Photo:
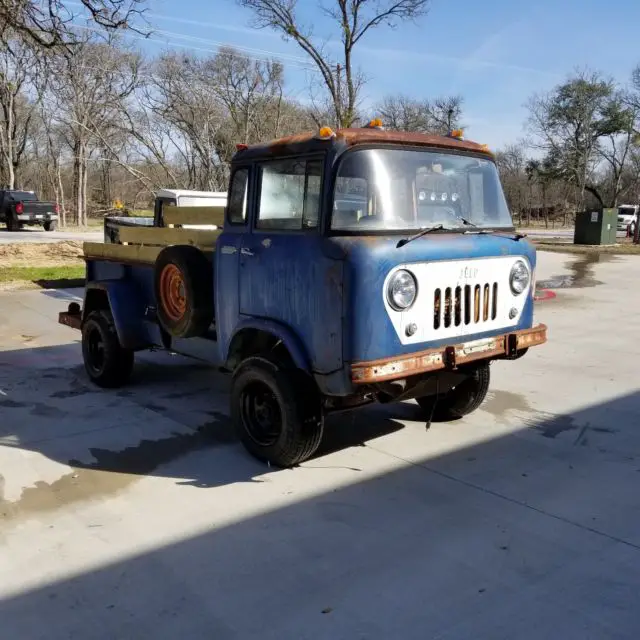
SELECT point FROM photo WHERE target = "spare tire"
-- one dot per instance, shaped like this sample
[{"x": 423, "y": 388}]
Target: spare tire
[{"x": 184, "y": 291}]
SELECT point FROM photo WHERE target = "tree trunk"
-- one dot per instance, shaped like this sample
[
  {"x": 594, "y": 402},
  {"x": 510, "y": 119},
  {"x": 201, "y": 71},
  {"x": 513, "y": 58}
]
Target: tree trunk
[
  {"x": 84, "y": 188},
  {"x": 77, "y": 182}
]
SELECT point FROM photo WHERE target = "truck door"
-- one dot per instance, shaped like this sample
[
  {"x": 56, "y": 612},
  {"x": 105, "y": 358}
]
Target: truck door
[
  {"x": 283, "y": 271},
  {"x": 226, "y": 257}
]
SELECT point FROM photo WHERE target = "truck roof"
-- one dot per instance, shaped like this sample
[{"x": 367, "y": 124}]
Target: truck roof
[{"x": 308, "y": 141}]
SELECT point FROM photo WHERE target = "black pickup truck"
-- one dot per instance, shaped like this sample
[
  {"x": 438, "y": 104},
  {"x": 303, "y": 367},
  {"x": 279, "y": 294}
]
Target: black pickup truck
[{"x": 23, "y": 207}]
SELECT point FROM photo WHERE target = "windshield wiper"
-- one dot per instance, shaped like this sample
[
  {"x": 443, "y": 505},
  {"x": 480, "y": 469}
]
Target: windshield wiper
[{"x": 422, "y": 232}]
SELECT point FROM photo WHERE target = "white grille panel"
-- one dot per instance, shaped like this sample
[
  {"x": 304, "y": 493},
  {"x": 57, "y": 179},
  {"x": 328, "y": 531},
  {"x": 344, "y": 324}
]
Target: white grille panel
[{"x": 458, "y": 298}]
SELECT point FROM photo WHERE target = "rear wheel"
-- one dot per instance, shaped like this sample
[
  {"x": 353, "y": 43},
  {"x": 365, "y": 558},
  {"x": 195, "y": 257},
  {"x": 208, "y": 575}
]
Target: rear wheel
[
  {"x": 107, "y": 363},
  {"x": 462, "y": 399},
  {"x": 50, "y": 225},
  {"x": 276, "y": 412},
  {"x": 13, "y": 224}
]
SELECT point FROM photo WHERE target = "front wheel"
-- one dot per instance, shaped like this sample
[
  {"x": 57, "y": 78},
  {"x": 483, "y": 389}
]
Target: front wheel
[
  {"x": 462, "y": 399},
  {"x": 107, "y": 363},
  {"x": 276, "y": 412}
]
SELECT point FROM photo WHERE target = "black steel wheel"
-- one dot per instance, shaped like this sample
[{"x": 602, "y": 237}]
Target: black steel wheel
[
  {"x": 460, "y": 401},
  {"x": 276, "y": 412},
  {"x": 261, "y": 414},
  {"x": 107, "y": 363}
]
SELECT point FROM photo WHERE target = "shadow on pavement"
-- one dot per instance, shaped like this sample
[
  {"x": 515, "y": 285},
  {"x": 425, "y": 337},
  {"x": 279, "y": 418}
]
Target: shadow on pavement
[
  {"x": 173, "y": 406},
  {"x": 523, "y": 536}
]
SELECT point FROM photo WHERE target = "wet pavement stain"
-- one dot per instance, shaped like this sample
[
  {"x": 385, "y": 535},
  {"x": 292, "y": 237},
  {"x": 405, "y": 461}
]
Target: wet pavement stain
[
  {"x": 154, "y": 407},
  {"x": 499, "y": 403},
  {"x": 186, "y": 394},
  {"x": 12, "y": 404},
  {"x": 47, "y": 411},
  {"x": 580, "y": 274},
  {"x": 555, "y": 426},
  {"x": 114, "y": 471}
]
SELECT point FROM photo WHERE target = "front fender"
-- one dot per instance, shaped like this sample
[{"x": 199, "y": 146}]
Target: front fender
[
  {"x": 127, "y": 307},
  {"x": 280, "y": 331}
]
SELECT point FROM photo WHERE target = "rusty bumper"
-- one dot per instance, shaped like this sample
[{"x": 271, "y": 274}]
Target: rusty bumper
[{"x": 447, "y": 357}]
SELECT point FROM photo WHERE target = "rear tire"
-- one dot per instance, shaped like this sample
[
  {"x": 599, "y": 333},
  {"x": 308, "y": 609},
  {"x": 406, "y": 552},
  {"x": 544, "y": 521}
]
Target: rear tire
[
  {"x": 460, "y": 401},
  {"x": 107, "y": 363},
  {"x": 184, "y": 291},
  {"x": 276, "y": 412},
  {"x": 50, "y": 225},
  {"x": 13, "y": 224}
]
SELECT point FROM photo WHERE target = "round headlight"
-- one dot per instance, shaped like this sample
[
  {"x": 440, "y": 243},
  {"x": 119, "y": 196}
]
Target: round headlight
[
  {"x": 519, "y": 277},
  {"x": 402, "y": 290}
]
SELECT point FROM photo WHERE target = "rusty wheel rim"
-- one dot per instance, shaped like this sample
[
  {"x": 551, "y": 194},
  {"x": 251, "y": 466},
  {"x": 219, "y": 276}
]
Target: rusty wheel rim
[{"x": 172, "y": 292}]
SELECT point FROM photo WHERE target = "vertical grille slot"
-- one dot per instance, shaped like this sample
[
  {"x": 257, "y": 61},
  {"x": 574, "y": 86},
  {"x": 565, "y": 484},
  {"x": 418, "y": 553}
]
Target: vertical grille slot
[
  {"x": 437, "y": 308},
  {"x": 467, "y": 303},
  {"x": 447, "y": 307},
  {"x": 476, "y": 304},
  {"x": 485, "y": 305},
  {"x": 494, "y": 301},
  {"x": 457, "y": 312}
]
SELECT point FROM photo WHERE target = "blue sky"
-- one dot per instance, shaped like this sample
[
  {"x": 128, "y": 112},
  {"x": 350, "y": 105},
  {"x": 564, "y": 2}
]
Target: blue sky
[{"x": 494, "y": 53}]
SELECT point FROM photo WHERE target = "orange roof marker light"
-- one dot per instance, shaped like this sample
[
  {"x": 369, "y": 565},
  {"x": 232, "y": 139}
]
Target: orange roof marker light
[
  {"x": 457, "y": 133},
  {"x": 376, "y": 123},
  {"x": 485, "y": 148},
  {"x": 326, "y": 133}
]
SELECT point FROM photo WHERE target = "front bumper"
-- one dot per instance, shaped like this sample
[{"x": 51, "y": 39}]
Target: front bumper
[{"x": 448, "y": 356}]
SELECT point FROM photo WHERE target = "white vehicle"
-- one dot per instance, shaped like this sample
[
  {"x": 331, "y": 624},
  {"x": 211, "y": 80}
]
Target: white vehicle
[
  {"x": 183, "y": 198},
  {"x": 627, "y": 217},
  {"x": 166, "y": 198}
]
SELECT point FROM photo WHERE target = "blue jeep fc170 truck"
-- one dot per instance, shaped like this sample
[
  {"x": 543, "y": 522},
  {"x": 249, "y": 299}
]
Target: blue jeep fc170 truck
[{"x": 351, "y": 266}]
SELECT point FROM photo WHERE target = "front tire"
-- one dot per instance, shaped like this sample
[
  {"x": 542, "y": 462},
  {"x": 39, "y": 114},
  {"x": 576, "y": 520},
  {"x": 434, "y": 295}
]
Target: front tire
[
  {"x": 107, "y": 363},
  {"x": 460, "y": 401},
  {"x": 276, "y": 412}
]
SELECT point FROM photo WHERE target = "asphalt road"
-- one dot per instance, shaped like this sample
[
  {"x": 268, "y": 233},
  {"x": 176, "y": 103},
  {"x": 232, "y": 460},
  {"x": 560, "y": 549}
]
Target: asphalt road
[
  {"x": 119, "y": 518},
  {"x": 36, "y": 234}
]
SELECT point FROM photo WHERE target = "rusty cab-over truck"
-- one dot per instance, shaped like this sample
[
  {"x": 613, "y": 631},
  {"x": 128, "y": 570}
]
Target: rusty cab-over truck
[{"x": 353, "y": 266}]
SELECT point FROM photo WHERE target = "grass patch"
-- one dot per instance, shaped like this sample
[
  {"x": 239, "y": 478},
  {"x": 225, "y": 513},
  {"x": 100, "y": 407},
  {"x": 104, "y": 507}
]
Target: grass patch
[
  {"x": 58, "y": 277},
  {"x": 613, "y": 250}
]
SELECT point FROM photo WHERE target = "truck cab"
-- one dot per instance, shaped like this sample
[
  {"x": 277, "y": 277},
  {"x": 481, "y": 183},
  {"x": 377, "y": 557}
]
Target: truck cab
[{"x": 354, "y": 266}]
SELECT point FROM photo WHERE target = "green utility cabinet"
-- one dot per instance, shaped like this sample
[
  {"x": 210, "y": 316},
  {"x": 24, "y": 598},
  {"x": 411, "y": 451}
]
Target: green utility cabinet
[{"x": 596, "y": 227}]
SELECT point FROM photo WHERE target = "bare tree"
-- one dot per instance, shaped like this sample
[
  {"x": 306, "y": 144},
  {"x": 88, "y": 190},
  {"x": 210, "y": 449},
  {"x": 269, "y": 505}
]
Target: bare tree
[
  {"x": 354, "y": 19},
  {"x": 427, "y": 116},
  {"x": 88, "y": 89},
  {"x": 51, "y": 24},
  {"x": 18, "y": 103}
]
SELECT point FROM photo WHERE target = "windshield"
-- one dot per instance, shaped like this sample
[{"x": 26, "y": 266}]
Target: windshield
[
  {"x": 394, "y": 189},
  {"x": 626, "y": 211}
]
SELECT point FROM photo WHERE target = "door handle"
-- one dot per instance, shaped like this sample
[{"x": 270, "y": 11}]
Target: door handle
[{"x": 246, "y": 252}]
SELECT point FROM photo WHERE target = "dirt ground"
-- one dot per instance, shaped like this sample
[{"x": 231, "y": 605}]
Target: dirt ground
[{"x": 46, "y": 254}]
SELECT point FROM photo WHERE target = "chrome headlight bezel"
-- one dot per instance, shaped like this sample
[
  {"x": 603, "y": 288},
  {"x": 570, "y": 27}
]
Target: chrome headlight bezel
[
  {"x": 410, "y": 284},
  {"x": 519, "y": 277}
]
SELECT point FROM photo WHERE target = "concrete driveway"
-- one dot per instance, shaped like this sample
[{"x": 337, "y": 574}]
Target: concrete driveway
[{"x": 135, "y": 513}]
